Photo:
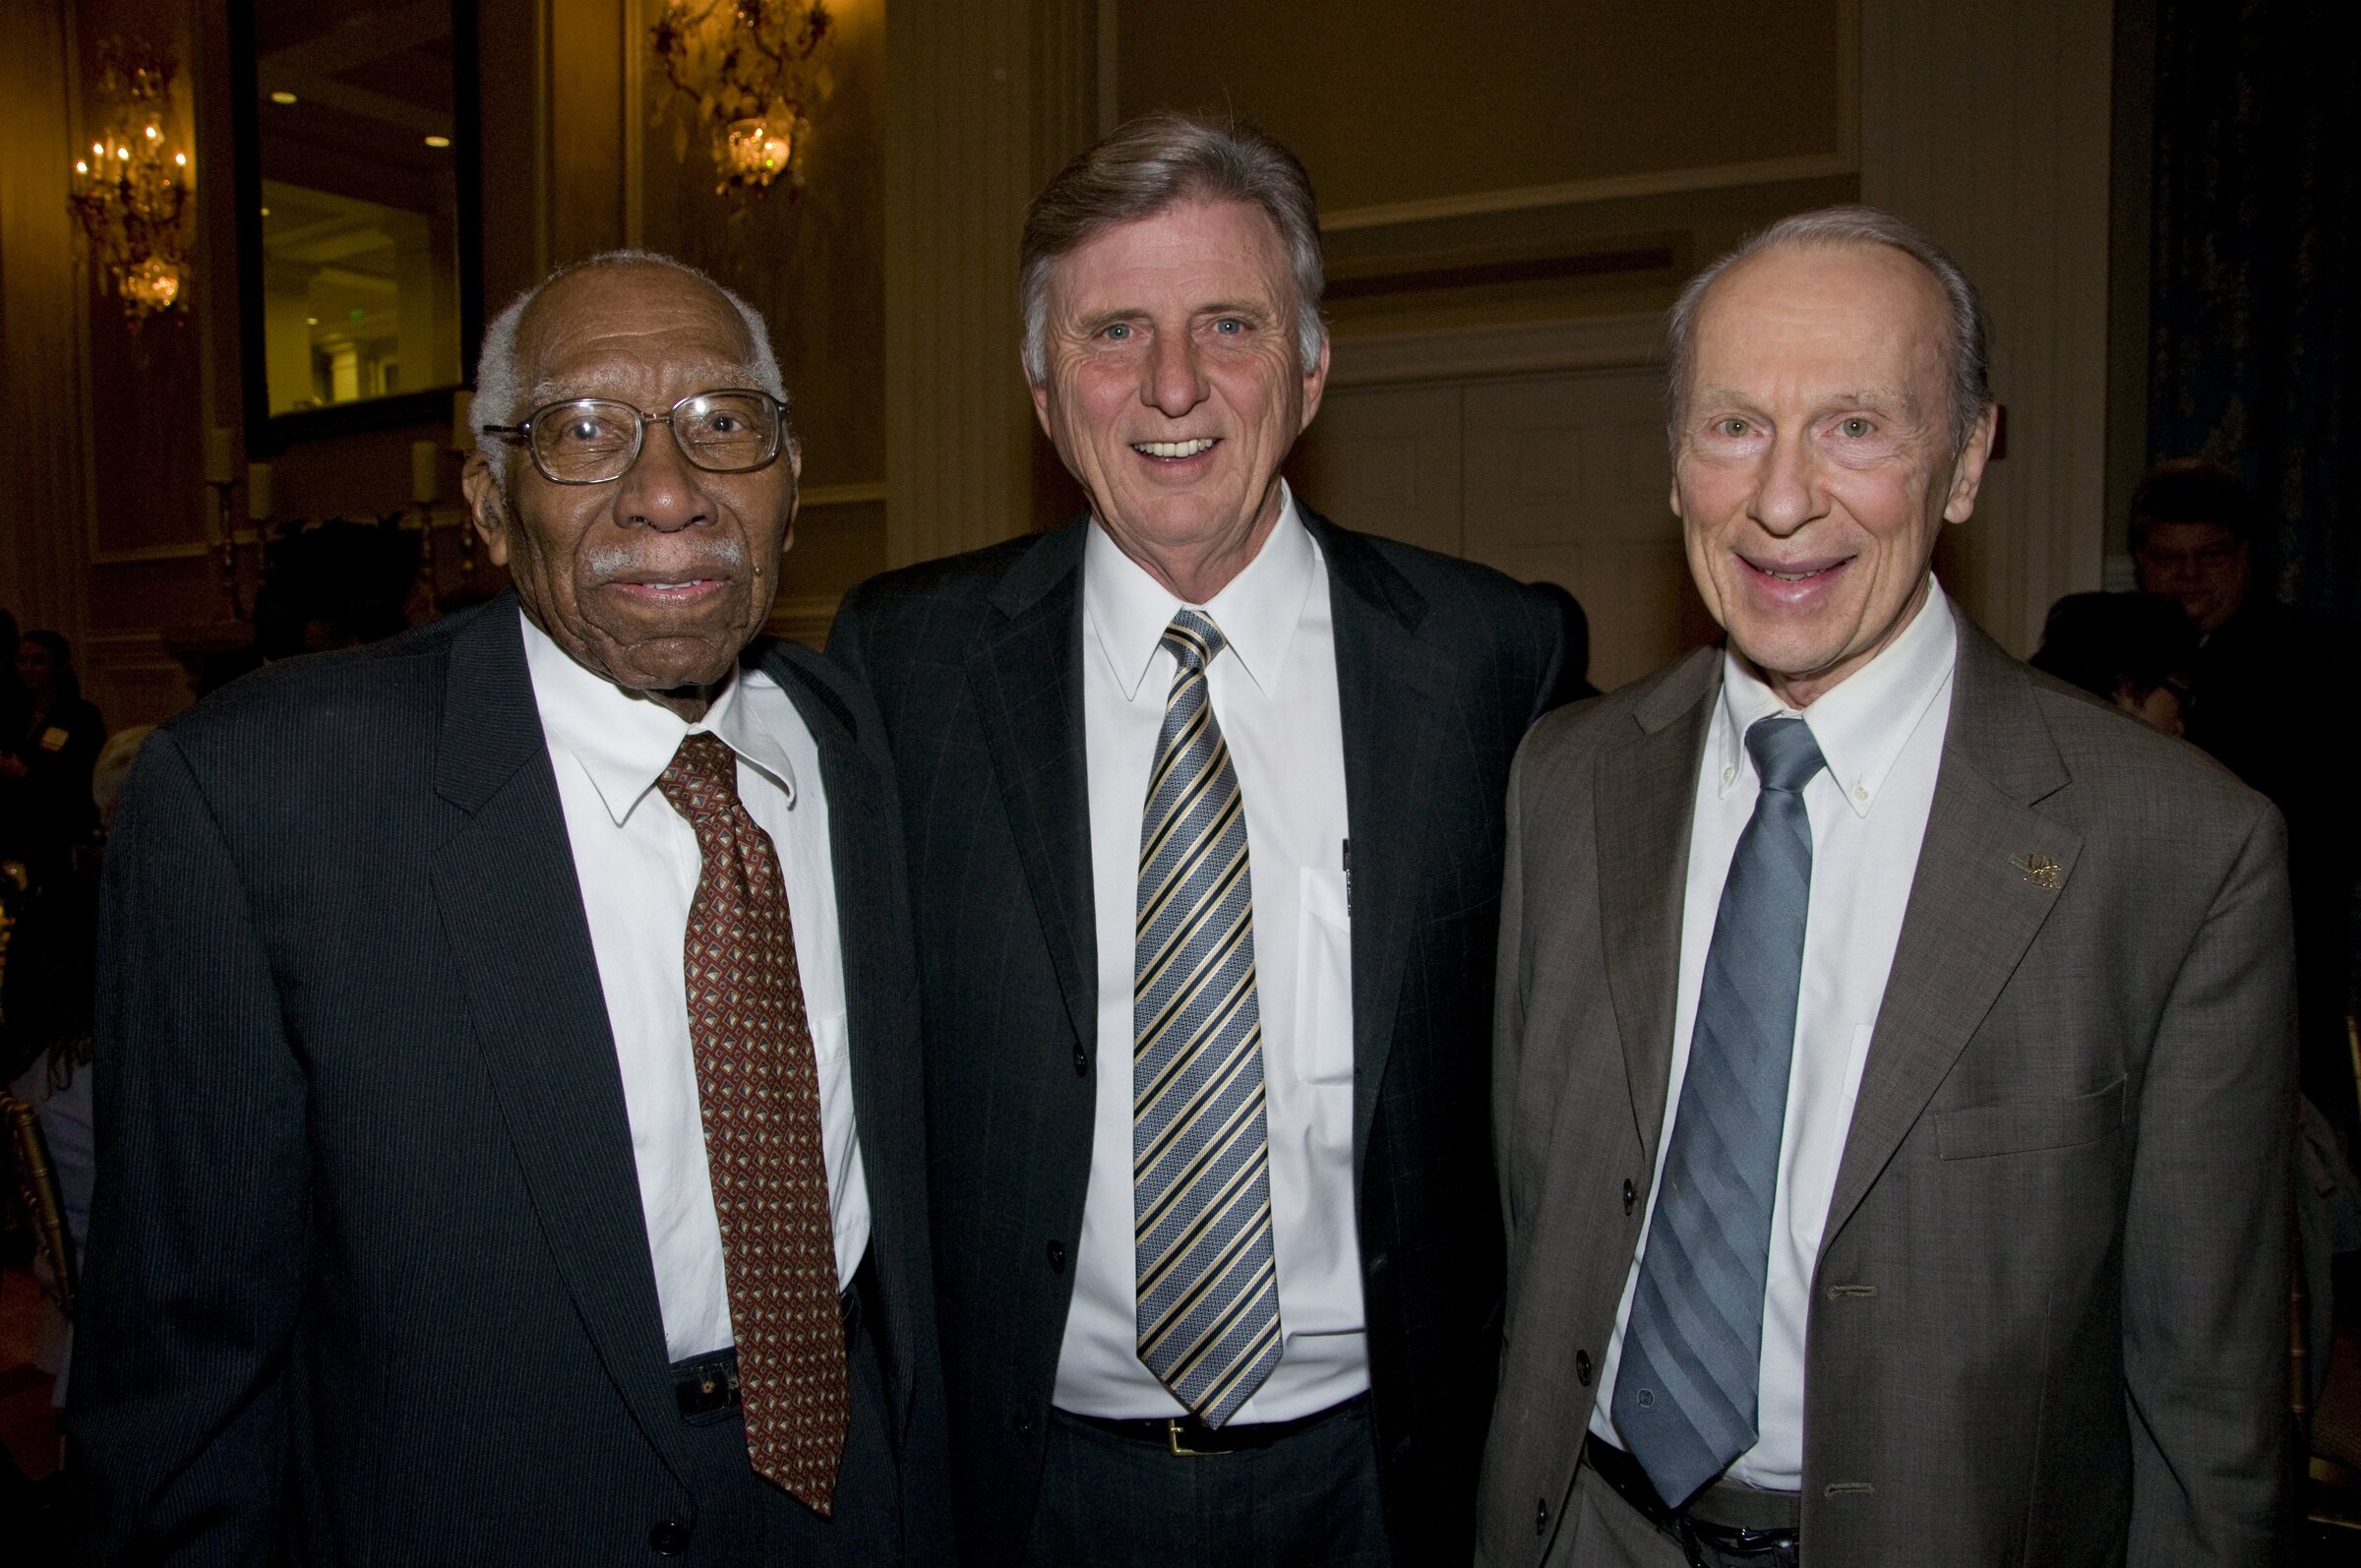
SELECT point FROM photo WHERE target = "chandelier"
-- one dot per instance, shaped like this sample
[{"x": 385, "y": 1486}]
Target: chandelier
[
  {"x": 131, "y": 191},
  {"x": 747, "y": 67}
]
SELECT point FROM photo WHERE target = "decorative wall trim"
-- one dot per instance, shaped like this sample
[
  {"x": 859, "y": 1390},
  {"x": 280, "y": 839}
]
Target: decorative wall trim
[
  {"x": 1512, "y": 348},
  {"x": 1608, "y": 188},
  {"x": 866, "y": 493}
]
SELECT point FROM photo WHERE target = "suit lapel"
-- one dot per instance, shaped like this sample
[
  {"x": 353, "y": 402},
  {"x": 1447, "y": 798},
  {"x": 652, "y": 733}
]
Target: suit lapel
[
  {"x": 1973, "y": 911},
  {"x": 881, "y": 1026},
  {"x": 1389, "y": 712},
  {"x": 1645, "y": 793},
  {"x": 513, "y": 908},
  {"x": 1027, "y": 679}
]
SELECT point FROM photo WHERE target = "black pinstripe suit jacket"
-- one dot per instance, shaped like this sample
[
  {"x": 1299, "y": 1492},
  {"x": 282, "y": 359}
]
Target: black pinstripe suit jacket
[
  {"x": 369, "y": 1277},
  {"x": 976, "y": 664}
]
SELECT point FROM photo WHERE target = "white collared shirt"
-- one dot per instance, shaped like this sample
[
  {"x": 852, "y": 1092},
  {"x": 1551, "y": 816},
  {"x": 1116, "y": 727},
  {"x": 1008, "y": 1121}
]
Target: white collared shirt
[
  {"x": 1274, "y": 694},
  {"x": 1881, "y": 731},
  {"x": 637, "y": 862}
]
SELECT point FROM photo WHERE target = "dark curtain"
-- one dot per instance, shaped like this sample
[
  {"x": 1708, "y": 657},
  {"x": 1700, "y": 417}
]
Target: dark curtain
[{"x": 2257, "y": 302}]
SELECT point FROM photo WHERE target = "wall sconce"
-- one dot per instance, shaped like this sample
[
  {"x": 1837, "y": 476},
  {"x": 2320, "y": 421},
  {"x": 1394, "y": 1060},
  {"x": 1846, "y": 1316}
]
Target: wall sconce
[
  {"x": 132, "y": 190},
  {"x": 748, "y": 66}
]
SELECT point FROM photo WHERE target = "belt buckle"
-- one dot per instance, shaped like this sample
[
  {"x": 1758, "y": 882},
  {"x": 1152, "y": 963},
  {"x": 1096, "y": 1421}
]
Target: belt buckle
[
  {"x": 1714, "y": 1545},
  {"x": 1172, "y": 1439}
]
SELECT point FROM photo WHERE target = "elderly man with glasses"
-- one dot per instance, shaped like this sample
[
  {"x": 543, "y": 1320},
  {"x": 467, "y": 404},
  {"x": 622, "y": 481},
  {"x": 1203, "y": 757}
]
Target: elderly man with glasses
[{"x": 509, "y": 1122}]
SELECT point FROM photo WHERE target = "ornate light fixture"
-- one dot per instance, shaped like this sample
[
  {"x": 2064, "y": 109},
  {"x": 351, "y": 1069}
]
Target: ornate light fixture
[
  {"x": 132, "y": 190},
  {"x": 748, "y": 66}
]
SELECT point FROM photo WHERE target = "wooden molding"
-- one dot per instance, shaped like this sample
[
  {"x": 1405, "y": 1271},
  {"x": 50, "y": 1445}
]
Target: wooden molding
[
  {"x": 1512, "y": 348},
  {"x": 1615, "y": 187}
]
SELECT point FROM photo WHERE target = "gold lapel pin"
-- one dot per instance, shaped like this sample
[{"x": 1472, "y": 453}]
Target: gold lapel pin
[{"x": 2040, "y": 870}]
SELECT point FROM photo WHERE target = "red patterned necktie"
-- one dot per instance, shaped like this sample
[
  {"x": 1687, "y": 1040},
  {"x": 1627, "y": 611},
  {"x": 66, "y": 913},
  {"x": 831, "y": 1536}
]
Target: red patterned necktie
[{"x": 758, "y": 1088}]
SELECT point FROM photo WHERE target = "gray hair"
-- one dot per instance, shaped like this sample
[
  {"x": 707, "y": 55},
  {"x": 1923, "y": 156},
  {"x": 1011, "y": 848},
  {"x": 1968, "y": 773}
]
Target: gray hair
[
  {"x": 500, "y": 390},
  {"x": 1828, "y": 228},
  {"x": 1151, "y": 166}
]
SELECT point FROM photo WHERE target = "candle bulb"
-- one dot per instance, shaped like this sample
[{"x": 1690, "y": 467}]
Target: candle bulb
[
  {"x": 220, "y": 456},
  {"x": 425, "y": 473},
  {"x": 258, "y": 490}
]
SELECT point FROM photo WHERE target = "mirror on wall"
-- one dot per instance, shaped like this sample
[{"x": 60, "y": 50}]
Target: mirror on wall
[{"x": 357, "y": 189}]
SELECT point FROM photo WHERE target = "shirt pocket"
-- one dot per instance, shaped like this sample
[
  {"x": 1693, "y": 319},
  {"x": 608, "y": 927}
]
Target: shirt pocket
[
  {"x": 830, "y": 1034},
  {"x": 1324, "y": 1043}
]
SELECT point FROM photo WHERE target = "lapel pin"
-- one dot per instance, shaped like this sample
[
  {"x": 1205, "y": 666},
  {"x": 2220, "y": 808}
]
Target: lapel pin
[{"x": 2040, "y": 870}]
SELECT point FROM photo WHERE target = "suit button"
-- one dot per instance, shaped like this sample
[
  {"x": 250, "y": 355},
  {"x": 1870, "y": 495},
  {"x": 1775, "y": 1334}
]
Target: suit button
[
  {"x": 1023, "y": 1424},
  {"x": 669, "y": 1539},
  {"x": 1057, "y": 1257},
  {"x": 1541, "y": 1516},
  {"x": 1081, "y": 1062},
  {"x": 1631, "y": 1195},
  {"x": 1582, "y": 1367}
]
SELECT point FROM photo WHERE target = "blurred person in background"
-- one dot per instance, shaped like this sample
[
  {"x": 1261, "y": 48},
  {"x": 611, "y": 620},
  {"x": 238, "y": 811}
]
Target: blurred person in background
[
  {"x": 2256, "y": 704},
  {"x": 48, "y": 759},
  {"x": 2126, "y": 648}
]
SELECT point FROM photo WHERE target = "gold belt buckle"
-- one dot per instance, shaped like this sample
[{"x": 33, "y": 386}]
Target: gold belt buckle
[{"x": 1172, "y": 1439}]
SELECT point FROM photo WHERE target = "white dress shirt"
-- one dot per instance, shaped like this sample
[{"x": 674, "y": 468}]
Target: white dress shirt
[
  {"x": 1273, "y": 689},
  {"x": 1881, "y": 731},
  {"x": 637, "y": 862}
]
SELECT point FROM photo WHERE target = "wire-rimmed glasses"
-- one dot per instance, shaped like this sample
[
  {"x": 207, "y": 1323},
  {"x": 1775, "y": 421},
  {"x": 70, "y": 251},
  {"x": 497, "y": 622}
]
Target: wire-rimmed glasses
[{"x": 594, "y": 440}]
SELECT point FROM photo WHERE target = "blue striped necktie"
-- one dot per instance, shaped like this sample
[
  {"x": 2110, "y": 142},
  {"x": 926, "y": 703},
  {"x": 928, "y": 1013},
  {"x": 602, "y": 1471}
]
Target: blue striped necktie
[
  {"x": 1686, "y": 1390},
  {"x": 1200, "y": 1156}
]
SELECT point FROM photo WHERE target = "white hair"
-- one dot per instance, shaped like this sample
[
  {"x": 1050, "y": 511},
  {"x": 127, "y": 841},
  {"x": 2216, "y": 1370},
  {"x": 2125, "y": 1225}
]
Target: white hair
[{"x": 500, "y": 390}]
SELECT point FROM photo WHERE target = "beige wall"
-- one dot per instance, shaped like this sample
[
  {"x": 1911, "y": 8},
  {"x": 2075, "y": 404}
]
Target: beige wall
[
  {"x": 1511, "y": 190},
  {"x": 1400, "y": 104}
]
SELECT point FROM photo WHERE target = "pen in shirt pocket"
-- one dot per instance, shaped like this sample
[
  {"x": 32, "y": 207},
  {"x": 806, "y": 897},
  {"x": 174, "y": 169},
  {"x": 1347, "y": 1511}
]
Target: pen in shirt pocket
[{"x": 1347, "y": 853}]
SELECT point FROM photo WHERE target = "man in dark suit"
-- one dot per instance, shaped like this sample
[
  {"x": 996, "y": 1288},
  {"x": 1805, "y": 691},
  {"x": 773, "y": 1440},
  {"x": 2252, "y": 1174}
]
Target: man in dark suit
[
  {"x": 508, "y": 1076},
  {"x": 1204, "y": 798},
  {"x": 1894, "y": 1058}
]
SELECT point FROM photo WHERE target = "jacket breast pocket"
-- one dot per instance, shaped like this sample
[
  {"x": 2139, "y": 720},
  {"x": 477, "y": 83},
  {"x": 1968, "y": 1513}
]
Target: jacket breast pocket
[{"x": 2018, "y": 1126}]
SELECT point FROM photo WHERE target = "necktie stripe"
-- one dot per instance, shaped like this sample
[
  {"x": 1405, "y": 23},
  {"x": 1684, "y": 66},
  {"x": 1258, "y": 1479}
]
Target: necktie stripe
[
  {"x": 1218, "y": 903},
  {"x": 1229, "y": 1319},
  {"x": 1192, "y": 1126},
  {"x": 1216, "y": 1223},
  {"x": 1207, "y": 1313},
  {"x": 1213, "y": 1275}
]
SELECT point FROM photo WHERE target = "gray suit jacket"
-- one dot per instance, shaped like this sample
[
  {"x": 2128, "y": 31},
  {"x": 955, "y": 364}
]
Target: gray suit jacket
[{"x": 2048, "y": 1319}]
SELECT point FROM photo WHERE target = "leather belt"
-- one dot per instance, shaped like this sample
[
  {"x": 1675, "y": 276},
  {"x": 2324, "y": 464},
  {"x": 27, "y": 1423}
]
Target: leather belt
[
  {"x": 1725, "y": 1525},
  {"x": 1189, "y": 1437},
  {"x": 703, "y": 1384}
]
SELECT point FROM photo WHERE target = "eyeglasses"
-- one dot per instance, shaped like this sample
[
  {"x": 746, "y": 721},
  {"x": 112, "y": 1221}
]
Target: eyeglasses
[{"x": 594, "y": 440}]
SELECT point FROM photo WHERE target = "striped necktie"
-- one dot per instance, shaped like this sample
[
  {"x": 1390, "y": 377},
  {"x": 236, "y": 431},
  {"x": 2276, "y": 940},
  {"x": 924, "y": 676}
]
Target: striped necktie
[
  {"x": 1200, "y": 1156},
  {"x": 1686, "y": 1391}
]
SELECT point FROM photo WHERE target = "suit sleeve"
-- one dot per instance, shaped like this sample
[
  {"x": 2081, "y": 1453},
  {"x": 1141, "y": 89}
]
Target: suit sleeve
[
  {"x": 1508, "y": 1000},
  {"x": 180, "y": 1399},
  {"x": 1550, "y": 642},
  {"x": 2205, "y": 1276},
  {"x": 844, "y": 640}
]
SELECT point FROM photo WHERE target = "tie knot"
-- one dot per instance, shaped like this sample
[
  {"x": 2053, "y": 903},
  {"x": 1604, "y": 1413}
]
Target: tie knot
[
  {"x": 702, "y": 776},
  {"x": 1786, "y": 756},
  {"x": 1193, "y": 638}
]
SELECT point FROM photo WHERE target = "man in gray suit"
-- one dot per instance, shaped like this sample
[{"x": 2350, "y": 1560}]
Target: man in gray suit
[{"x": 1894, "y": 1048}]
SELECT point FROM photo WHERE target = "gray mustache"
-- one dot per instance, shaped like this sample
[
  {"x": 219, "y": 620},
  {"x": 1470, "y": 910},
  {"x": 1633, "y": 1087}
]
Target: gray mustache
[{"x": 716, "y": 558}]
